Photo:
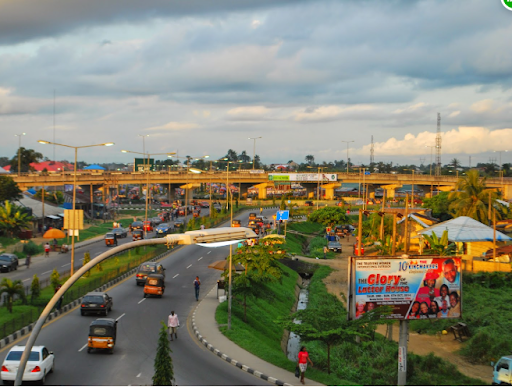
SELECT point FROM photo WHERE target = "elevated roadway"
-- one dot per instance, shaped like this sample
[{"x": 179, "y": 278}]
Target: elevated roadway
[{"x": 245, "y": 178}]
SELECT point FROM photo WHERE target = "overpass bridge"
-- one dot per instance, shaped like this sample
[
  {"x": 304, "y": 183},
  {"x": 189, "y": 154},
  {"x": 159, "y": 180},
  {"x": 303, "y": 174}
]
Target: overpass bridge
[{"x": 246, "y": 179}]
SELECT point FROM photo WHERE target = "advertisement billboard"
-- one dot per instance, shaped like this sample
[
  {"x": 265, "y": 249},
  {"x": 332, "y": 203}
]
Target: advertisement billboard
[
  {"x": 311, "y": 177},
  {"x": 414, "y": 288}
]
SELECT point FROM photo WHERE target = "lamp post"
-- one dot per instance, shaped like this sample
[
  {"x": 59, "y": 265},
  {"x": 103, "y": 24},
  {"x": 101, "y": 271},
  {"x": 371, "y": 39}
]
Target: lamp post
[
  {"x": 348, "y": 142},
  {"x": 19, "y": 152},
  {"x": 74, "y": 192},
  {"x": 501, "y": 166},
  {"x": 431, "y": 155},
  {"x": 146, "y": 171},
  {"x": 254, "y": 150}
]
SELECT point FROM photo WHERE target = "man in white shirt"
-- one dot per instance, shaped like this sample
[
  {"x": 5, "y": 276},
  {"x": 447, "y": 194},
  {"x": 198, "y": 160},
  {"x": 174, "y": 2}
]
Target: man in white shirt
[{"x": 173, "y": 323}]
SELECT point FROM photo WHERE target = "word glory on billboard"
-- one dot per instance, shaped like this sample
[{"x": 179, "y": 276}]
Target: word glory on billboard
[
  {"x": 313, "y": 177},
  {"x": 414, "y": 288}
]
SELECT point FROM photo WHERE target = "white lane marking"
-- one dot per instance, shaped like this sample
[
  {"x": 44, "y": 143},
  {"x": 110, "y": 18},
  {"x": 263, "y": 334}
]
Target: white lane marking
[
  {"x": 188, "y": 266},
  {"x": 138, "y": 376},
  {"x": 28, "y": 279},
  {"x": 120, "y": 317},
  {"x": 46, "y": 272},
  {"x": 141, "y": 301},
  {"x": 200, "y": 258},
  {"x": 209, "y": 252},
  {"x": 67, "y": 264},
  {"x": 81, "y": 349},
  {"x": 175, "y": 276}
]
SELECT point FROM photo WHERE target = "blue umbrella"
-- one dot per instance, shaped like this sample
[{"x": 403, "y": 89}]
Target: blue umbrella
[{"x": 95, "y": 167}]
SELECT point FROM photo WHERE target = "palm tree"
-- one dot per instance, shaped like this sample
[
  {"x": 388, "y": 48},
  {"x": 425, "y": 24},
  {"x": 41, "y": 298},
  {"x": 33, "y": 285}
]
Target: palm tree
[
  {"x": 310, "y": 160},
  {"x": 472, "y": 198},
  {"x": 11, "y": 288},
  {"x": 27, "y": 156},
  {"x": 12, "y": 220},
  {"x": 455, "y": 163}
]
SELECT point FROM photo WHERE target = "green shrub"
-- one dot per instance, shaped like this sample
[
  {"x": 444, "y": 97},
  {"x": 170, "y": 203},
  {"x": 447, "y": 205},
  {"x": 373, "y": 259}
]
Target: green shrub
[
  {"x": 31, "y": 248},
  {"x": 35, "y": 289},
  {"x": 55, "y": 279}
]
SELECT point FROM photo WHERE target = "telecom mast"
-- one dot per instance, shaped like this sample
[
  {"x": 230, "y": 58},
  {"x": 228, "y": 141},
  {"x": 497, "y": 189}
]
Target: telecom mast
[
  {"x": 438, "y": 145},
  {"x": 372, "y": 160}
]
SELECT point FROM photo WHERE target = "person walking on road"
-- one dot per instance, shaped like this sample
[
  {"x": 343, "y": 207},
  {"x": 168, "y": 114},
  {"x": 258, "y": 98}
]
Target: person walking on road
[
  {"x": 261, "y": 210},
  {"x": 46, "y": 249},
  {"x": 27, "y": 261},
  {"x": 197, "y": 285},
  {"x": 325, "y": 252},
  {"x": 173, "y": 323},
  {"x": 303, "y": 362}
]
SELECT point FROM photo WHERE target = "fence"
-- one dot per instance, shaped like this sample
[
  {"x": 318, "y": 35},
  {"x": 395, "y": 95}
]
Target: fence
[{"x": 75, "y": 292}]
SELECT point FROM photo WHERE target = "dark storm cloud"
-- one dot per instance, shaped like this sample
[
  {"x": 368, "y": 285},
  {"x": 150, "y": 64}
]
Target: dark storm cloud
[{"x": 25, "y": 20}]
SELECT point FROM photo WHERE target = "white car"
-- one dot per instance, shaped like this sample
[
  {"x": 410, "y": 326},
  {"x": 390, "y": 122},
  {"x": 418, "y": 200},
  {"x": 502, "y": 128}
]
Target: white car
[{"x": 40, "y": 363}]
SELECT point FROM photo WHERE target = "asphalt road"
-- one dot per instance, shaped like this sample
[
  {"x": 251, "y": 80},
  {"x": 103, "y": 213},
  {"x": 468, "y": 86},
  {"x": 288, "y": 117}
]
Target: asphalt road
[{"x": 139, "y": 321}]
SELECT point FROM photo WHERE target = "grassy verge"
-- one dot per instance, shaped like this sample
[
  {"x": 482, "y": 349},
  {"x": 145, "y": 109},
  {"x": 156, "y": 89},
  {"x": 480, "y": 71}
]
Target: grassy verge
[{"x": 261, "y": 335}]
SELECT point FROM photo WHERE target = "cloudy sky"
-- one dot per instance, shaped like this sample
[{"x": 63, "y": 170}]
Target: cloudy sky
[{"x": 201, "y": 77}]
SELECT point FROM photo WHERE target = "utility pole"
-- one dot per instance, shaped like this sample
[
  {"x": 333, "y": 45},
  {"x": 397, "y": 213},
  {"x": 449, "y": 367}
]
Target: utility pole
[{"x": 438, "y": 146}]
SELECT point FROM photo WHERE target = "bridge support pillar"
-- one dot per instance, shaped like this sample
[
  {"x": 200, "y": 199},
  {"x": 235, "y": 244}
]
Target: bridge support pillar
[{"x": 390, "y": 189}]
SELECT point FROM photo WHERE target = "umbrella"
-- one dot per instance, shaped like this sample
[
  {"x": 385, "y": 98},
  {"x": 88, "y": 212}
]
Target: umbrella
[
  {"x": 500, "y": 251},
  {"x": 54, "y": 233},
  {"x": 224, "y": 265}
]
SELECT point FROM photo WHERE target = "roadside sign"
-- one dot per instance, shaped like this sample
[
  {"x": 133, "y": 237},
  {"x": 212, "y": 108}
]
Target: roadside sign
[
  {"x": 367, "y": 173},
  {"x": 283, "y": 215}
]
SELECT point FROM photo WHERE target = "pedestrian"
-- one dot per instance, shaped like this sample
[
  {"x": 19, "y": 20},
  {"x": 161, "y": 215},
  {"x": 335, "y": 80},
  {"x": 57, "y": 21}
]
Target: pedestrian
[
  {"x": 47, "y": 249},
  {"x": 173, "y": 323},
  {"x": 303, "y": 362},
  {"x": 202, "y": 227},
  {"x": 27, "y": 261},
  {"x": 325, "y": 252},
  {"x": 261, "y": 210},
  {"x": 197, "y": 285}
]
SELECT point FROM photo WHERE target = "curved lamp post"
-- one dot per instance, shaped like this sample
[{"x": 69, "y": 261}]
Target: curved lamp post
[
  {"x": 74, "y": 192},
  {"x": 254, "y": 150}
]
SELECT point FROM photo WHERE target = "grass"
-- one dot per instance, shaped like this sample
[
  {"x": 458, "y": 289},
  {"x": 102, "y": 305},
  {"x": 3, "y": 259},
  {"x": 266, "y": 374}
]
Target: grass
[{"x": 306, "y": 227}]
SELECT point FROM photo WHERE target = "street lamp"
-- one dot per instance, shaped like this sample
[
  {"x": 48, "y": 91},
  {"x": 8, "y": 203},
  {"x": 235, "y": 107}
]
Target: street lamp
[
  {"x": 431, "y": 155},
  {"x": 348, "y": 142},
  {"x": 19, "y": 151},
  {"x": 74, "y": 192},
  {"x": 254, "y": 150},
  {"x": 146, "y": 171}
]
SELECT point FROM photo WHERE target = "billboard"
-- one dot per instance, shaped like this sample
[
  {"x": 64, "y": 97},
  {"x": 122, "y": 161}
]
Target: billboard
[
  {"x": 311, "y": 177},
  {"x": 415, "y": 287},
  {"x": 140, "y": 164}
]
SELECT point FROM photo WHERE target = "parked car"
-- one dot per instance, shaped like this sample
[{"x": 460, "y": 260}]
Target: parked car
[
  {"x": 40, "y": 363},
  {"x": 163, "y": 229},
  {"x": 334, "y": 246},
  {"x": 8, "y": 262},
  {"x": 96, "y": 302},
  {"x": 120, "y": 232},
  {"x": 502, "y": 371},
  {"x": 147, "y": 268}
]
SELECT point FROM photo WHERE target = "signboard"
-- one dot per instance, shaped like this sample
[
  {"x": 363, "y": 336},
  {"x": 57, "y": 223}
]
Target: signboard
[
  {"x": 257, "y": 171},
  {"x": 74, "y": 222},
  {"x": 415, "y": 288},
  {"x": 139, "y": 164},
  {"x": 311, "y": 177},
  {"x": 283, "y": 215}
]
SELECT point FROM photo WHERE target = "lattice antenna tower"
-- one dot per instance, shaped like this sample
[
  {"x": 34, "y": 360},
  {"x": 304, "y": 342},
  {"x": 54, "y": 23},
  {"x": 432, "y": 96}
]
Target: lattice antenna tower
[
  {"x": 438, "y": 145},
  {"x": 372, "y": 156}
]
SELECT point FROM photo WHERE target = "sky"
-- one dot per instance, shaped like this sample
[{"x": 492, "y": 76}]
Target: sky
[{"x": 310, "y": 77}]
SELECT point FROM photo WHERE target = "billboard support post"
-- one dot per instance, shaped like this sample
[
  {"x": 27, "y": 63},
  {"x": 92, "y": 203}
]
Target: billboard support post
[
  {"x": 406, "y": 227},
  {"x": 359, "y": 233},
  {"x": 402, "y": 352},
  {"x": 393, "y": 245}
]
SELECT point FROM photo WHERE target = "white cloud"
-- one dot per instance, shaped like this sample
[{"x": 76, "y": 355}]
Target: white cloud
[
  {"x": 249, "y": 113},
  {"x": 331, "y": 113},
  {"x": 255, "y": 24},
  {"x": 178, "y": 126},
  {"x": 482, "y": 106}
]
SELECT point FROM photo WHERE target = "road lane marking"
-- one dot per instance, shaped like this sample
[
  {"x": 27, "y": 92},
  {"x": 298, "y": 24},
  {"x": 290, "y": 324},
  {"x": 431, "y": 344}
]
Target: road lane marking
[
  {"x": 209, "y": 252},
  {"x": 141, "y": 301},
  {"x": 28, "y": 279},
  {"x": 46, "y": 272},
  {"x": 175, "y": 276},
  {"x": 81, "y": 349},
  {"x": 67, "y": 264},
  {"x": 200, "y": 258},
  {"x": 138, "y": 376},
  {"x": 120, "y": 317},
  {"x": 188, "y": 266}
]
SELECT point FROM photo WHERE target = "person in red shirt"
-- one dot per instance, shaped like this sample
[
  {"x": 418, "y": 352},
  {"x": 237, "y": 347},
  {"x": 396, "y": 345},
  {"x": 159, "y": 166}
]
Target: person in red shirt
[{"x": 303, "y": 362}]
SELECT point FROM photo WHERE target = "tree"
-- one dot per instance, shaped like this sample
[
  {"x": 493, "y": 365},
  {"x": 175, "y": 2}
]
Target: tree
[
  {"x": 244, "y": 157},
  {"x": 440, "y": 246},
  {"x": 472, "y": 198},
  {"x": 27, "y": 156},
  {"x": 310, "y": 160},
  {"x": 231, "y": 155},
  {"x": 440, "y": 205},
  {"x": 12, "y": 219},
  {"x": 35, "y": 289},
  {"x": 87, "y": 259},
  {"x": 8, "y": 189},
  {"x": 455, "y": 163},
  {"x": 164, "y": 373},
  {"x": 327, "y": 322},
  {"x": 329, "y": 216},
  {"x": 11, "y": 288},
  {"x": 55, "y": 279}
]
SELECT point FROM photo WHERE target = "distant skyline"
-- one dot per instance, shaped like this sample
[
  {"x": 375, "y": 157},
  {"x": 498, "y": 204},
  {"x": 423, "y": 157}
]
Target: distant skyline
[{"x": 201, "y": 77}]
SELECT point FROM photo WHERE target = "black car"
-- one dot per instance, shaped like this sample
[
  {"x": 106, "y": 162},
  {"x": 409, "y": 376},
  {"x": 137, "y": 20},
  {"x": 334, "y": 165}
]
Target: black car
[
  {"x": 8, "y": 262},
  {"x": 96, "y": 302},
  {"x": 120, "y": 232},
  {"x": 308, "y": 203},
  {"x": 136, "y": 225},
  {"x": 146, "y": 268}
]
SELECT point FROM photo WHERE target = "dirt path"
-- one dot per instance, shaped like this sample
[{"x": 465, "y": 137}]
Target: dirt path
[{"x": 443, "y": 346}]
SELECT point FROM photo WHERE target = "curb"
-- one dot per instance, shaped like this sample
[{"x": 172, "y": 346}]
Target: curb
[
  {"x": 27, "y": 329},
  {"x": 227, "y": 358}
]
